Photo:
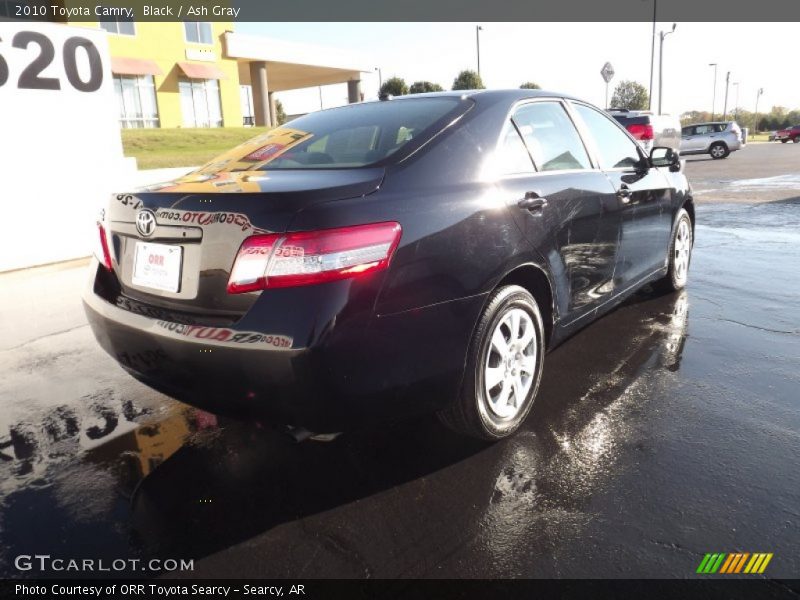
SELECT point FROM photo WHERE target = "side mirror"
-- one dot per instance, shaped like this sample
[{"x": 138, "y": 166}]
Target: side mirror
[{"x": 661, "y": 156}]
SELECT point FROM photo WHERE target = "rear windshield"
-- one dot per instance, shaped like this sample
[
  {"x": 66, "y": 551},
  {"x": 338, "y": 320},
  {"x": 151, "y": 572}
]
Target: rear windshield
[{"x": 346, "y": 137}]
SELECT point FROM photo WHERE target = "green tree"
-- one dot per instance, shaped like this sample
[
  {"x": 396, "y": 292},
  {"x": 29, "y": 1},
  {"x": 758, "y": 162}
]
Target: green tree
[
  {"x": 396, "y": 86},
  {"x": 631, "y": 95},
  {"x": 421, "y": 87},
  {"x": 694, "y": 116},
  {"x": 280, "y": 114},
  {"x": 468, "y": 80},
  {"x": 530, "y": 85}
]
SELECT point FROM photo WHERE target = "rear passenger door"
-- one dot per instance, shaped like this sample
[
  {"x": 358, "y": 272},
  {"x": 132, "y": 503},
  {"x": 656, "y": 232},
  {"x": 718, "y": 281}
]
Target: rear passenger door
[
  {"x": 565, "y": 205},
  {"x": 701, "y": 139},
  {"x": 643, "y": 197}
]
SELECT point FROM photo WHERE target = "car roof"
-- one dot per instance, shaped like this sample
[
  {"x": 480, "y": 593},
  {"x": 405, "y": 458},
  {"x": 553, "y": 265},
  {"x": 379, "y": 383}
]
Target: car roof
[{"x": 492, "y": 95}]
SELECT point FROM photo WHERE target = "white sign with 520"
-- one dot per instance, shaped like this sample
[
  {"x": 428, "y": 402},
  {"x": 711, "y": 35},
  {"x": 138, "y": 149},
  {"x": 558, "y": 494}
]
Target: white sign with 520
[
  {"x": 31, "y": 76},
  {"x": 60, "y": 146}
]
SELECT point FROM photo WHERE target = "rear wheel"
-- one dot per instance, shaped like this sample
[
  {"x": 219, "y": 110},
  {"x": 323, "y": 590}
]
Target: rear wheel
[
  {"x": 783, "y": 141},
  {"x": 680, "y": 255},
  {"x": 718, "y": 150},
  {"x": 504, "y": 367},
  {"x": 796, "y": 139}
]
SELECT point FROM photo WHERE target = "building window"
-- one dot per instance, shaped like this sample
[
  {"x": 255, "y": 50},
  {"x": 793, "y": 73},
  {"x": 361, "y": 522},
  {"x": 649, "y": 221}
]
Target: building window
[
  {"x": 248, "y": 114},
  {"x": 119, "y": 26},
  {"x": 200, "y": 102},
  {"x": 136, "y": 96},
  {"x": 198, "y": 32}
]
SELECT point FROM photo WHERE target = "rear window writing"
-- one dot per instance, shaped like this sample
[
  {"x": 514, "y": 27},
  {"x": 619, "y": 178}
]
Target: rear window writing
[{"x": 350, "y": 136}]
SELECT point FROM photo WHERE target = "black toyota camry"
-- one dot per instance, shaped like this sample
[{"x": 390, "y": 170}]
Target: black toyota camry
[{"x": 385, "y": 259}]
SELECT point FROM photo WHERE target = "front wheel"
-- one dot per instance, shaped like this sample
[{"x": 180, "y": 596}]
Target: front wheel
[
  {"x": 796, "y": 140},
  {"x": 718, "y": 150},
  {"x": 680, "y": 255},
  {"x": 783, "y": 141},
  {"x": 504, "y": 367}
]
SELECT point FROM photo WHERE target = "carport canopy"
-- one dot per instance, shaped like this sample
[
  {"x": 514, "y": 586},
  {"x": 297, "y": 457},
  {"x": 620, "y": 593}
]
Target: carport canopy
[{"x": 271, "y": 65}]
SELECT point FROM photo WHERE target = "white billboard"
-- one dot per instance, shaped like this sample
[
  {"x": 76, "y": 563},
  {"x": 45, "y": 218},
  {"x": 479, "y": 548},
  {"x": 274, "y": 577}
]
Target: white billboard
[{"x": 60, "y": 145}]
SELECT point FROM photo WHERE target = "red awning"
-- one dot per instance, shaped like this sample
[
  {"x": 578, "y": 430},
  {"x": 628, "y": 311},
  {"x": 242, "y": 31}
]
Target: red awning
[
  {"x": 201, "y": 71},
  {"x": 134, "y": 66}
]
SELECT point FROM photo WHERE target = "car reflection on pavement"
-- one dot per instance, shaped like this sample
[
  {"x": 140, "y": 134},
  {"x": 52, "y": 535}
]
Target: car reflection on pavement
[{"x": 177, "y": 481}]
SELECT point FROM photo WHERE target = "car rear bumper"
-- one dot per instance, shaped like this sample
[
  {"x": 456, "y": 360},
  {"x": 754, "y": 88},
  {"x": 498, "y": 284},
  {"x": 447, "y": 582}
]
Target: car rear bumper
[{"x": 319, "y": 364}]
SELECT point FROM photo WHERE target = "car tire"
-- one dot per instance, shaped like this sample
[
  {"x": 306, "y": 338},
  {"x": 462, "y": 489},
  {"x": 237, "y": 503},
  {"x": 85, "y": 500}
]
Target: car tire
[
  {"x": 680, "y": 255},
  {"x": 718, "y": 150},
  {"x": 784, "y": 141},
  {"x": 796, "y": 140},
  {"x": 492, "y": 413}
]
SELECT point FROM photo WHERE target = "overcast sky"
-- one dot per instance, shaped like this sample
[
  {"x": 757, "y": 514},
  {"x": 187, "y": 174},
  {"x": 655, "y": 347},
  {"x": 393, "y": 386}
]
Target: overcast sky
[{"x": 564, "y": 57}]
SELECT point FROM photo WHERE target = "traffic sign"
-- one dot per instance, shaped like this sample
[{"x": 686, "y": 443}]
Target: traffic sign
[{"x": 607, "y": 72}]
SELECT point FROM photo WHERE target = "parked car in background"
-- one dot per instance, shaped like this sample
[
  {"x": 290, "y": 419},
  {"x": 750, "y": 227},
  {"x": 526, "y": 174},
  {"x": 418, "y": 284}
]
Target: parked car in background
[
  {"x": 388, "y": 258},
  {"x": 649, "y": 129},
  {"x": 718, "y": 139},
  {"x": 789, "y": 134}
]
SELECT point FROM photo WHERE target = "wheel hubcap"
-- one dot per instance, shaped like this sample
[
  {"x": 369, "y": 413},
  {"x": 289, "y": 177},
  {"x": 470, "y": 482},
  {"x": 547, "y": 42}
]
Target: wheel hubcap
[
  {"x": 682, "y": 251},
  {"x": 510, "y": 363},
  {"x": 717, "y": 151}
]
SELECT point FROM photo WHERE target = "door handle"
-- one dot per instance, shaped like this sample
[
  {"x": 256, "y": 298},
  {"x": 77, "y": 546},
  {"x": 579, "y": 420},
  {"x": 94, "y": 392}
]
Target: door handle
[
  {"x": 532, "y": 201},
  {"x": 624, "y": 193}
]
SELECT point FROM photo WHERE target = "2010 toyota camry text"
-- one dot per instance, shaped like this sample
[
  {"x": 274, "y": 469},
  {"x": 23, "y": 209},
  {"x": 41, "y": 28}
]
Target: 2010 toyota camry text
[{"x": 385, "y": 259}]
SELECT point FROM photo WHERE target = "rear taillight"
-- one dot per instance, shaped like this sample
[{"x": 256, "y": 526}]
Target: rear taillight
[
  {"x": 309, "y": 257},
  {"x": 102, "y": 252},
  {"x": 641, "y": 132}
]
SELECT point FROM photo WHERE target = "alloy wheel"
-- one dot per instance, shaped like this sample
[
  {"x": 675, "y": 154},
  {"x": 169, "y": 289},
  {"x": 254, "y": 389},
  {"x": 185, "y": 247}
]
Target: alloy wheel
[
  {"x": 510, "y": 363},
  {"x": 682, "y": 251}
]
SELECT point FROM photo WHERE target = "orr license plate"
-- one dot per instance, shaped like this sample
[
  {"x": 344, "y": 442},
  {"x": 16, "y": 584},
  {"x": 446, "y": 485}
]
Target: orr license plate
[{"x": 157, "y": 266}]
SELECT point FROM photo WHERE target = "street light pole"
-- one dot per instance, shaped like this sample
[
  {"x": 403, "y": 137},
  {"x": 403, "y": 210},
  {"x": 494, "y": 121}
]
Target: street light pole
[
  {"x": 478, "y": 30},
  {"x": 661, "y": 65},
  {"x": 725, "y": 106},
  {"x": 755, "y": 116},
  {"x": 652, "y": 57},
  {"x": 380, "y": 79},
  {"x": 714, "y": 93},
  {"x": 736, "y": 105}
]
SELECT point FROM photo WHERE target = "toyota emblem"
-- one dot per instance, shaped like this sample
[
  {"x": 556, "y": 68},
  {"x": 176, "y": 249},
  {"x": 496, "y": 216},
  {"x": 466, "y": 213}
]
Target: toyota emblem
[{"x": 146, "y": 222}]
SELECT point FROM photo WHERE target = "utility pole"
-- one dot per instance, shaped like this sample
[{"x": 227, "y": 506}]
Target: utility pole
[
  {"x": 478, "y": 30},
  {"x": 755, "y": 116},
  {"x": 714, "y": 92},
  {"x": 736, "y": 105},
  {"x": 725, "y": 107},
  {"x": 661, "y": 65},
  {"x": 380, "y": 79},
  {"x": 652, "y": 58}
]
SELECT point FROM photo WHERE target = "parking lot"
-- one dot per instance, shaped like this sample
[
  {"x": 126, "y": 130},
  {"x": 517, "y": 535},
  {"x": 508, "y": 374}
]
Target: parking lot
[{"x": 666, "y": 430}]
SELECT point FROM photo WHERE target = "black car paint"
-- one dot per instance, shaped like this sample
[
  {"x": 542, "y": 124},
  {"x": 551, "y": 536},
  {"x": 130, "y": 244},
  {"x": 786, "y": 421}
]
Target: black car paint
[{"x": 393, "y": 343}]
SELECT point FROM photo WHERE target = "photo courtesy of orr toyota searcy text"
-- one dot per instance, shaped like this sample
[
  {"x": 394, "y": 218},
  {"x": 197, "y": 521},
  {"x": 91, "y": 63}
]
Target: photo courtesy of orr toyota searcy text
[{"x": 158, "y": 591}]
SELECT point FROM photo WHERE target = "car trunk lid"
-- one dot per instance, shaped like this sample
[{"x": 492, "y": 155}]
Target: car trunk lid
[{"x": 173, "y": 244}]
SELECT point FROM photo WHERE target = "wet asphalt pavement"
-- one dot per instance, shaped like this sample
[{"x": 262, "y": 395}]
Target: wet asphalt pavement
[{"x": 667, "y": 429}]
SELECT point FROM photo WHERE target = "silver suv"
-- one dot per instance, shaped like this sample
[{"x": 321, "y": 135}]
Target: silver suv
[{"x": 718, "y": 139}]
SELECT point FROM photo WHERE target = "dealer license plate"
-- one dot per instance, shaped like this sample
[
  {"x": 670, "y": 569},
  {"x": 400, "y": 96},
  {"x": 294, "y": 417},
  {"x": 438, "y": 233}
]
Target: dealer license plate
[{"x": 157, "y": 266}]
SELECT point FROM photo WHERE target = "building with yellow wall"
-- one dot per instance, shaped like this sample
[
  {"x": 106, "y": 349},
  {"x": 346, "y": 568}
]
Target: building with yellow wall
[{"x": 203, "y": 74}]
